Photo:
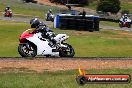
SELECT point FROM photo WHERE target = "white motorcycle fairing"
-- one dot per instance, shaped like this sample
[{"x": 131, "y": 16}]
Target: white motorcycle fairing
[
  {"x": 126, "y": 20},
  {"x": 61, "y": 37},
  {"x": 42, "y": 45}
]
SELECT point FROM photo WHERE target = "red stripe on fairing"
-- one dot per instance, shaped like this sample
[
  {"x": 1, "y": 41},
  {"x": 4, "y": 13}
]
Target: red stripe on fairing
[{"x": 25, "y": 35}]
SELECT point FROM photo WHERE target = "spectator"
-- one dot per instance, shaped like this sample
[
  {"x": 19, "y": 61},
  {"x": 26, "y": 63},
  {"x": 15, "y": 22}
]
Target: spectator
[
  {"x": 69, "y": 7},
  {"x": 83, "y": 13}
]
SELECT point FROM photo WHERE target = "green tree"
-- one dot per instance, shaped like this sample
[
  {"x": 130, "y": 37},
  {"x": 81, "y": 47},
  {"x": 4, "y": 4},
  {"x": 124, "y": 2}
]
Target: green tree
[{"x": 112, "y": 6}]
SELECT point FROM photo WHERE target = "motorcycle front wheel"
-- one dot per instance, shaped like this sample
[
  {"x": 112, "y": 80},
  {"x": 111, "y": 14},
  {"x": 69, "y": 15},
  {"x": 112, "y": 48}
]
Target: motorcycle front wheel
[
  {"x": 129, "y": 25},
  {"x": 120, "y": 25},
  {"x": 25, "y": 51},
  {"x": 66, "y": 51}
]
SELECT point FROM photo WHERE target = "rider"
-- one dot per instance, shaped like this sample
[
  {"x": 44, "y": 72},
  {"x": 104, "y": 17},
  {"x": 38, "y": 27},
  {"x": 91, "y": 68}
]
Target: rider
[
  {"x": 34, "y": 24},
  {"x": 8, "y": 9},
  {"x": 49, "y": 13},
  {"x": 37, "y": 26},
  {"x": 124, "y": 17},
  {"x": 83, "y": 13}
]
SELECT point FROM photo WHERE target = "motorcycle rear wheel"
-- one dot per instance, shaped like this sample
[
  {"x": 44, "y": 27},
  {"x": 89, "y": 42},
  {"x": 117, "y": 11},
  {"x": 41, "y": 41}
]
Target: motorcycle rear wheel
[
  {"x": 26, "y": 52},
  {"x": 66, "y": 52}
]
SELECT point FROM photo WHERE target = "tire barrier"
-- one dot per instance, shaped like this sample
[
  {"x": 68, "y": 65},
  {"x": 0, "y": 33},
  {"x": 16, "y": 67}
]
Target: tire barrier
[{"x": 77, "y": 22}]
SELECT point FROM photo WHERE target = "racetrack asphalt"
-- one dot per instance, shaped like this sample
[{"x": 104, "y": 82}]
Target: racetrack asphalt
[{"x": 22, "y": 19}]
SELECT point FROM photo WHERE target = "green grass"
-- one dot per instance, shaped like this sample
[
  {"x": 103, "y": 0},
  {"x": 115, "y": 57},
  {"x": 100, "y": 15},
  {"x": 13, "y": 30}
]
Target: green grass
[
  {"x": 27, "y": 8},
  {"x": 124, "y": 5},
  {"x": 106, "y": 23},
  {"x": 105, "y": 43},
  {"x": 59, "y": 79},
  {"x": 40, "y": 10},
  {"x": 10, "y": 32}
]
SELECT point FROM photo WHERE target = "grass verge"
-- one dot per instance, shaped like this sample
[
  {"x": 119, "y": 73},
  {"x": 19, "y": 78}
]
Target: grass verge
[
  {"x": 59, "y": 79},
  {"x": 105, "y": 43},
  {"x": 124, "y": 5},
  {"x": 18, "y": 7},
  {"x": 106, "y": 23}
]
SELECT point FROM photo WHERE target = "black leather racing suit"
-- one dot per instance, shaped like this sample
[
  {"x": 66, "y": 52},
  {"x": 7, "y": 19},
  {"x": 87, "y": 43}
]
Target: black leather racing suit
[{"x": 46, "y": 32}]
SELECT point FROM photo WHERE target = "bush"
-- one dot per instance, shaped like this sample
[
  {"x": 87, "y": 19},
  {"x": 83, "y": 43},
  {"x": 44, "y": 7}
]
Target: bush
[
  {"x": 112, "y": 6},
  {"x": 125, "y": 12}
]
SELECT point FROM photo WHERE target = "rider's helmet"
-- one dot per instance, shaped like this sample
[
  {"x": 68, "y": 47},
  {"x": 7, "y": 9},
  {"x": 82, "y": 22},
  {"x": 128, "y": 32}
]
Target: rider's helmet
[
  {"x": 125, "y": 15},
  {"x": 8, "y": 7},
  {"x": 34, "y": 22},
  {"x": 50, "y": 10}
]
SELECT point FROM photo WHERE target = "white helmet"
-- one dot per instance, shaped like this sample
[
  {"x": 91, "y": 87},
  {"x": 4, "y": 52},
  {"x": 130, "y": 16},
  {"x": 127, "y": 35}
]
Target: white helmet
[
  {"x": 50, "y": 10},
  {"x": 125, "y": 15}
]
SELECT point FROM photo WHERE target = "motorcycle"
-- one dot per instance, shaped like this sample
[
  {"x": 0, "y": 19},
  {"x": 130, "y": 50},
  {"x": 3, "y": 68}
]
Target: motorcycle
[
  {"x": 126, "y": 23},
  {"x": 8, "y": 14},
  {"x": 34, "y": 44},
  {"x": 49, "y": 17}
]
